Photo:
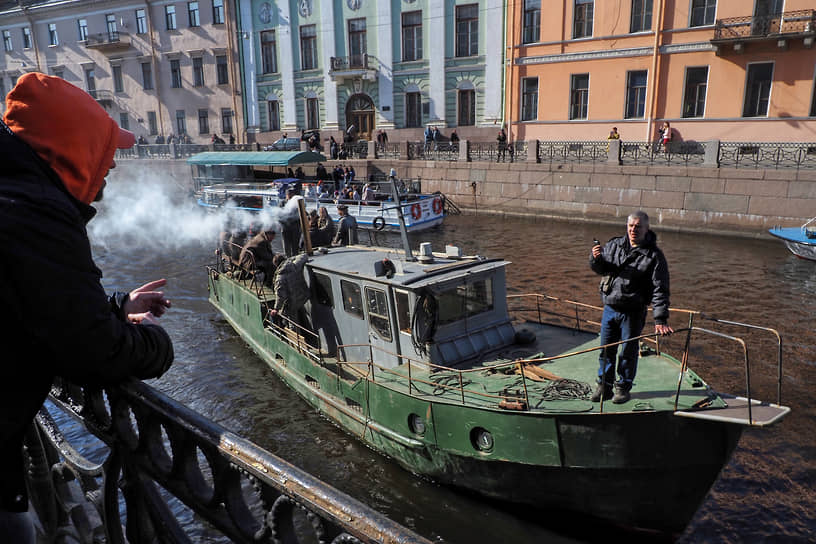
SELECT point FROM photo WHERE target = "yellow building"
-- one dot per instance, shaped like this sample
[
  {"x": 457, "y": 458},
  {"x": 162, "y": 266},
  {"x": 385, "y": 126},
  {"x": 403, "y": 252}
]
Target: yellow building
[{"x": 741, "y": 70}]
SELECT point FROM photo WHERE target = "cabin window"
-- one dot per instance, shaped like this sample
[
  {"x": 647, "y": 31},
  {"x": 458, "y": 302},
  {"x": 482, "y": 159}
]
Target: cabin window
[
  {"x": 378, "y": 313},
  {"x": 403, "y": 312},
  {"x": 322, "y": 289},
  {"x": 352, "y": 298},
  {"x": 465, "y": 300}
]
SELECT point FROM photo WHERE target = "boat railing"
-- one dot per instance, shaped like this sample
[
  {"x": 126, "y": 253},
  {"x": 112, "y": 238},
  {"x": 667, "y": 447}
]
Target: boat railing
[{"x": 304, "y": 340}]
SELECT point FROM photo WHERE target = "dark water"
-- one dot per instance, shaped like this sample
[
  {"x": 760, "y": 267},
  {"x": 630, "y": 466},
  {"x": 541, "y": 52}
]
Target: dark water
[{"x": 765, "y": 494}]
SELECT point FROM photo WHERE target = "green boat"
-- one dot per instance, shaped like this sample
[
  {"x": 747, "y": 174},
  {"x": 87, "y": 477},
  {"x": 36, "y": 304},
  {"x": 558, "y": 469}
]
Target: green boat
[{"x": 428, "y": 361}]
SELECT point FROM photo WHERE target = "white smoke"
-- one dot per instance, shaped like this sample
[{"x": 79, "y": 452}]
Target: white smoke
[{"x": 150, "y": 213}]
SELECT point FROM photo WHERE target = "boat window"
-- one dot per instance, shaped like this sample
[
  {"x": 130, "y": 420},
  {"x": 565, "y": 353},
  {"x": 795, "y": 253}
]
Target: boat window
[
  {"x": 378, "y": 312},
  {"x": 352, "y": 298},
  {"x": 403, "y": 312},
  {"x": 321, "y": 285},
  {"x": 465, "y": 300}
]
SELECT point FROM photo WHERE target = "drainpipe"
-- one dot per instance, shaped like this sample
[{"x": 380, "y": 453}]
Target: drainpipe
[
  {"x": 155, "y": 68},
  {"x": 232, "y": 37},
  {"x": 506, "y": 85},
  {"x": 655, "y": 68}
]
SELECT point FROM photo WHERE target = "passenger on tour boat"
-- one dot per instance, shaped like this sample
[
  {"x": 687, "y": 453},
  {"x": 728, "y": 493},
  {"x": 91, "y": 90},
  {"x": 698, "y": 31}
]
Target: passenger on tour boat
[
  {"x": 257, "y": 255},
  {"x": 346, "y": 228}
]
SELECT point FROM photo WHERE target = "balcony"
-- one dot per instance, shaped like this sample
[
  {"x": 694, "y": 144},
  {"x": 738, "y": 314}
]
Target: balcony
[
  {"x": 108, "y": 42},
  {"x": 103, "y": 96},
  {"x": 781, "y": 28},
  {"x": 354, "y": 66}
]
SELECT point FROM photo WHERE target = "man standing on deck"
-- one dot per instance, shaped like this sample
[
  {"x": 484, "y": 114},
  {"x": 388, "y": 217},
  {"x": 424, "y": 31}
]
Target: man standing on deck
[
  {"x": 346, "y": 228},
  {"x": 56, "y": 147},
  {"x": 635, "y": 274}
]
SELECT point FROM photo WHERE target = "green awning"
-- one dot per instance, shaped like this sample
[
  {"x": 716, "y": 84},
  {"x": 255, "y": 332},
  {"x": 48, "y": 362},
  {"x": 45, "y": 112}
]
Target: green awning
[{"x": 255, "y": 158}]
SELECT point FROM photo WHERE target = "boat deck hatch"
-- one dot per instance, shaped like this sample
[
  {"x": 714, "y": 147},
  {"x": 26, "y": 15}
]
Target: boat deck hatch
[{"x": 762, "y": 413}]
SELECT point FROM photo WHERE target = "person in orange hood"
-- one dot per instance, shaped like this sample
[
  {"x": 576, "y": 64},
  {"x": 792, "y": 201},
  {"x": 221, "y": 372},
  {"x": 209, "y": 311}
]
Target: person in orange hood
[{"x": 56, "y": 147}]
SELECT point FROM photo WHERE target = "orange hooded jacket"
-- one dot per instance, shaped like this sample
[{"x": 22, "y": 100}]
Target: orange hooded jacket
[{"x": 68, "y": 129}]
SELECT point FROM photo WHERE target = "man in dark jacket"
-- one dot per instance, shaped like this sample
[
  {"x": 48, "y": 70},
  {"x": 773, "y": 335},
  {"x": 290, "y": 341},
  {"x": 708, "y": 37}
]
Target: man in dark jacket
[
  {"x": 346, "y": 228},
  {"x": 635, "y": 274},
  {"x": 56, "y": 318}
]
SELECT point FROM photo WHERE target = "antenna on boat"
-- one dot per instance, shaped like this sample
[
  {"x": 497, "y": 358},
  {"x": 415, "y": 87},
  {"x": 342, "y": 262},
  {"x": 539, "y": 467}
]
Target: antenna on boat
[{"x": 392, "y": 178}]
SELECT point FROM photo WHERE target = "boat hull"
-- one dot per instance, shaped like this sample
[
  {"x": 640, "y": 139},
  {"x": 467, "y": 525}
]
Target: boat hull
[
  {"x": 649, "y": 470},
  {"x": 797, "y": 241}
]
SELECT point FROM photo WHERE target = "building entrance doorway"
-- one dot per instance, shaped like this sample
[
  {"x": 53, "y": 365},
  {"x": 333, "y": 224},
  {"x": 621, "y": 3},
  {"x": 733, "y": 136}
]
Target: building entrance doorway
[{"x": 360, "y": 113}]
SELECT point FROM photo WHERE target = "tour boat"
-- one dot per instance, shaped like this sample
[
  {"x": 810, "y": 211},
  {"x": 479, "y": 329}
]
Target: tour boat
[{"x": 800, "y": 240}]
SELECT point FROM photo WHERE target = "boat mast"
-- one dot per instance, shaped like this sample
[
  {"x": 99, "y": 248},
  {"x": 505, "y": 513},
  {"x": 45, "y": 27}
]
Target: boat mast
[{"x": 392, "y": 178}]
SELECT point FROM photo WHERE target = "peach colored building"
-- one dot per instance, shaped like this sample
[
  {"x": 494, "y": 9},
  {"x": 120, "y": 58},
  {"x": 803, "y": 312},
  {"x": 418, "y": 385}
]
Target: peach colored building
[{"x": 741, "y": 70}]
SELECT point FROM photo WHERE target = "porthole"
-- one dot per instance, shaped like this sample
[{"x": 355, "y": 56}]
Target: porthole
[
  {"x": 481, "y": 439},
  {"x": 416, "y": 424}
]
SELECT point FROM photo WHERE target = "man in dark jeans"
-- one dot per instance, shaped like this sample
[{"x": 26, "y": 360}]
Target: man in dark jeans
[
  {"x": 56, "y": 147},
  {"x": 635, "y": 275}
]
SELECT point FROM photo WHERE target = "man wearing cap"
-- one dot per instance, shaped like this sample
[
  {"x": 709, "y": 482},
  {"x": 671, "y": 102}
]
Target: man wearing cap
[
  {"x": 346, "y": 228},
  {"x": 56, "y": 147}
]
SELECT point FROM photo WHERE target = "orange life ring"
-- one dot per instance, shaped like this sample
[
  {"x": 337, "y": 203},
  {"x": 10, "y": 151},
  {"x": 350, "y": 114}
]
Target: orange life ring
[
  {"x": 437, "y": 205},
  {"x": 416, "y": 211}
]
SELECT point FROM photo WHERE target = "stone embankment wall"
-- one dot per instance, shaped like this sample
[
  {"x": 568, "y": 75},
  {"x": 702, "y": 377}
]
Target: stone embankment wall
[{"x": 738, "y": 201}]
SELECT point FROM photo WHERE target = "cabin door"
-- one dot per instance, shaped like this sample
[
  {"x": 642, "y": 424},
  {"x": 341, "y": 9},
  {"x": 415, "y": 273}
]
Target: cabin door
[{"x": 381, "y": 333}]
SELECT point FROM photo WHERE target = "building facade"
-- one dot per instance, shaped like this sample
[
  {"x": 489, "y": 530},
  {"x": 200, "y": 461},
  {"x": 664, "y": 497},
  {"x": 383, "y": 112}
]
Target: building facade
[
  {"x": 158, "y": 67},
  {"x": 395, "y": 65},
  {"x": 741, "y": 70}
]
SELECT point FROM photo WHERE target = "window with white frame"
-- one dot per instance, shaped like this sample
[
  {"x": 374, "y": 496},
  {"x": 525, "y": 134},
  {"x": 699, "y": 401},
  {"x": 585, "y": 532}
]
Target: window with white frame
[
  {"x": 147, "y": 76},
  {"x": 635, "y": 94},
  {"x": 641, "y": 16},
  {"x": 758, "y": 89},
  {"x": 529, "y": 99},
  {"x": 579, "y": 96},
  {"x": 203, "y": 121},
  {"x": 358, "y": 42},
  {"x": 226, "y": 121},
  {"x": 192, "y": 14},
  {"x": 7, "y": 40},
  {"x": 82, "y": 30},
  {"x": 124, "y": 120},
  {"x": 269, "y": 54},
  {"x": 175, "y": 73},
  {"x": 141, "y": 22},
  {"x": 170, "y": 17},
  {"x": 308, "y": 47},
  {"x": 694, "y": 93},
  {"x": 467, "y": 30},
  {"x": 702, "y": 12},
  {"x": 582, "y": 16},
  {"x": 110, "y": 26},
  {"x": 118, "y": 81},
  {"x": 181, "y": 122},
  {"x": 531, "y": 28},
  {"x": 412, "y": 35},
  {"x": 90, "y": 81},
  {"x": 218, "y": 12},
  {"x": 198, "y": 72},
  {"x": 26, "y": 37},
  {"x": 53, "y": 38},
  {"x": 221, "y": 70}
]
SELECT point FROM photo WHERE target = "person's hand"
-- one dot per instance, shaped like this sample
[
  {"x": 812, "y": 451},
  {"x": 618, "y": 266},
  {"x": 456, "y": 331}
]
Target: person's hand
[
  {"x": 145, "y": 300},
  {"x": 596, "y": 250},
  {"x": 146, "y": 318},
  {"x": 663, "y": 330}
]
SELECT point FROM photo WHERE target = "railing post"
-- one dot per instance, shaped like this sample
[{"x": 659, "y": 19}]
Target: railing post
[
  {"x": 613, "y": 154},
  {"x": 464, "y": 156},
  {"x": 403, "y": 151},
  {"x": 538, "y": 150},
  {"x": 372, "y": 150},
  {"x": 712, "y": 154}
]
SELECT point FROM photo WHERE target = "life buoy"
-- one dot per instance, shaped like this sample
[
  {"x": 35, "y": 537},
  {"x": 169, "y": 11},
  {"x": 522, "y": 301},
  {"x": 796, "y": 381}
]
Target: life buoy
[
  {"x": 378, "y": 223},
  {"x": 416, "y": 211},
  {"x": 437, "y": 205}
]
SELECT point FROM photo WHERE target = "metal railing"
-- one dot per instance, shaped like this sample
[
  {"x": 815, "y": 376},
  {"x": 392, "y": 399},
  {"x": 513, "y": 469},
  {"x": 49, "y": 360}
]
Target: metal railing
[
  {"x": 352, "y": 62},
  {"x": 655, "y": 153},
  {"x": 434, "y": 151},
  {"x": 789, "y": 23},
  {"x": 765, "y": 155},
  {"x": 157, "y": 451},
  {"x": 572, "y": 152}
]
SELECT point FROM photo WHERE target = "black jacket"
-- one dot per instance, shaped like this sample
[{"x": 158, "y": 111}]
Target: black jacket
[
  {"x": 638, "y": 276},
  {"x": 55, "y": 318}
]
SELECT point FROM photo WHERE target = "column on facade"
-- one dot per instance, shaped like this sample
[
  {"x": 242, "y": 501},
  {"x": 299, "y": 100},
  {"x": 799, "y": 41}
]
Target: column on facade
[
  {"x": 494, "y": 62},
  {"x": 329, "y": 84},
  {"x": 436, "y": 61},
  {"x": 287, "y": 68},
  {"x": 385, "y": 72},
  {"x": 251, "y": 99}
]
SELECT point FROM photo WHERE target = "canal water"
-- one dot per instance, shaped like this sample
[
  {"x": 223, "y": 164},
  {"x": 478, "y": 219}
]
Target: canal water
[{"x": 765, "y": 493}]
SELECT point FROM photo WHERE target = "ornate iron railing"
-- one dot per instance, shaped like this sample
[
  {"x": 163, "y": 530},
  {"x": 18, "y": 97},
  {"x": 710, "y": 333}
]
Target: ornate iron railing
[
  {"x": 572, "y": 152},
  {"x": 789, "y": 23},
  {"x": 484, "y": 151},
  {"x": 352, "y": 62},
  {"x": 156, "y": 447},
  {"x": 766, "y": 155},
  {"x": 434, "y": 151},
  {"x": 388, "y": 150},
  {"x": 654, "y": 153}
]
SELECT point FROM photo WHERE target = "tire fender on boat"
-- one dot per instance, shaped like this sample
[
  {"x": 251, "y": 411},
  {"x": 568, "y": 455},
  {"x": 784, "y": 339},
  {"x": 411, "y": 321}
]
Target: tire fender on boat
[
  {"x": 437, "y": 205},
  {"x": 378, "y": 223},
  {"x": 416, "y": 211}
]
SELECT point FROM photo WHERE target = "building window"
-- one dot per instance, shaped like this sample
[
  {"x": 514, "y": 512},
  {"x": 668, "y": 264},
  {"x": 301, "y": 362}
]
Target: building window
[
  {"x": 118, "y": 82},
  {"x": 702, "y": 12},
  {"x": 170, "y": 17},
  {"x": 90, "y": 82},
  {"x": 312, "y": 113},
  {"x": 110, "y": 25},
  {"x": 582, "y": 14},
  {"x": 273, "y": 114},
  {"x": 218, "y": 12},
  {"x": 467, "y": 30},
  {"x": 308, "y": 47},
  {"x": 82, "y": 27},
  {"x": 181, "y": 123},
  {"x": 198, "y": 72},
  {"x": 579, "y": 96},
  {"x": 221, "y": 70},
  {"x": 758, "y": 89},
  {"x": 641, "y": 16},
  {"x": 192, "y": 14},
  {"x": 635, "y": 94},
  {"x": 53, "y": 38},
  {"x": 529, "y": 99},
  {"x": 532, "y": 21},
  {"x": 412, "y": 35},
  {"x": 26, "y": 38},
  {"x": 7, "y": 40},
  {"x": 413, "y": 110},
  {"x": 203, "y": 122},
  {"x": 467, "y": 107},
  {"x": 58, "y": 73},
  {"x": 269, "y": 55},
  {"x": 147, "y": 76},
  {"x": 695, "y": 92},
  {"x": 141, "y": 22},
  {"x": 358, "y": 46},
  {"x": 175, "y": 74},
  {"x": 226, "y": 121},
  {"x": 124, "y": 121},
  {"x": 152, "y": 125}
]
